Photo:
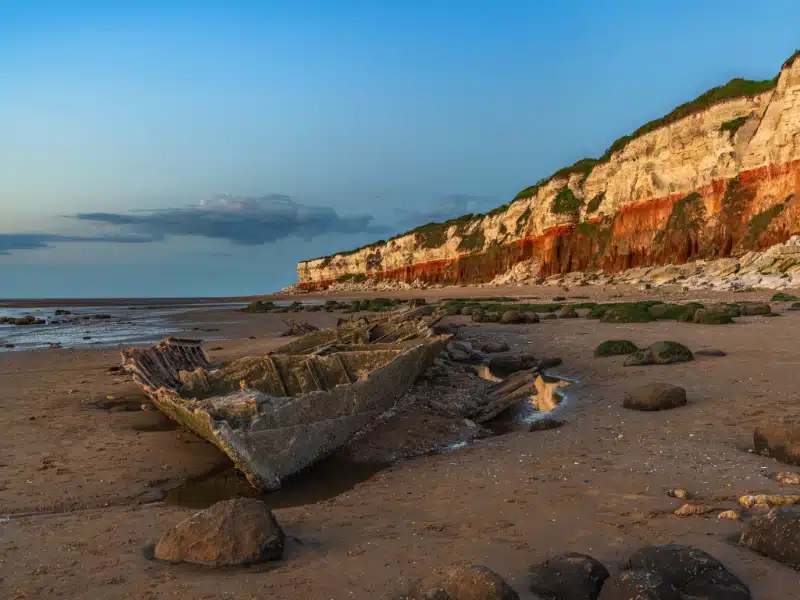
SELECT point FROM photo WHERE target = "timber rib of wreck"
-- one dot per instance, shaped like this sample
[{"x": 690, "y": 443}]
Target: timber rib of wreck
[{"x": 276, "y": 414}]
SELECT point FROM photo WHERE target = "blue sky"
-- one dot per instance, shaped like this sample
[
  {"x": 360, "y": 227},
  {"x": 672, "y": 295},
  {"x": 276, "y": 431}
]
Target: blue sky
[{"x": 327, "y": 124}]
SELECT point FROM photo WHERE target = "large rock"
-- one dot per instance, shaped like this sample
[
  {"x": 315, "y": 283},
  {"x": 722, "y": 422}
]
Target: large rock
[
  {"x": 567, "y": 312},
  {"x": 638, "y": 585},
  {"x": 242, "y": 531},
  {"x": 756, "y": 308},
  {"x": 660, "y": 353},
  {"x": 511, "y": 317},
  {"x": 779, "y": 438},
  {"x": 503, "y": 364},
  {"x": 712, "y": 317},
  {"x": 655, "y": 396},
  {"x": 692, "y": 571},
  {"x": 460, "y": 582},
  {"x": 776, "y": 534},
  {"x": 530, "y": 316},
  {"x": 569, "y": 576}
]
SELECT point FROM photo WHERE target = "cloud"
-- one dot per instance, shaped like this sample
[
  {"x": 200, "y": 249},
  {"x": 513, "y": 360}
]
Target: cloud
[
  {"x": 448, "y": 207},
  {"x": 34, "y": 241},
  {"x": 239, "y": 220}
]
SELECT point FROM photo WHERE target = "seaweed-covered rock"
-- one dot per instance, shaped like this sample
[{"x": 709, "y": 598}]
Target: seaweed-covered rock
[
  {"x": 712, "y": 317},
  {"x": 233, "y": 532},
  {"x": 569, "y": 576},
  {"x": 628, "y": 313},
  {"x": 615, "y": 348},
  {"x": 638, "y": 584},
  {"x": 783, "y": 297},
  {"x": 660, "y": 353},
  {"x": 779, "y": 438},
  {"x": 776, "y": 535},
  {"x": 655, "y": 396},
  {"x": 460, "y": 582}
]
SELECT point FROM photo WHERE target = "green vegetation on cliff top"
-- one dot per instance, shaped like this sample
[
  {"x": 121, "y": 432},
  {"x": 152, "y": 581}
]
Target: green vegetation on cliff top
[{"x": 735, "y": 88}]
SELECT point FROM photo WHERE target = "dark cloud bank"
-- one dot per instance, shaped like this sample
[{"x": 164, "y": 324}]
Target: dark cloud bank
[{"x": 245, "y": 221}]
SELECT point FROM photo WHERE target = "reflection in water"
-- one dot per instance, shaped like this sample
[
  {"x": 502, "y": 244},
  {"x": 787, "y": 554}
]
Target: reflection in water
[{"x": 327, "y": 479}]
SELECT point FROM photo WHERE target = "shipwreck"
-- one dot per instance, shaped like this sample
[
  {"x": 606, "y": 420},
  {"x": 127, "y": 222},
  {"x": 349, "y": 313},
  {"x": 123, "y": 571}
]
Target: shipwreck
[{"x": 279, "y": 413}]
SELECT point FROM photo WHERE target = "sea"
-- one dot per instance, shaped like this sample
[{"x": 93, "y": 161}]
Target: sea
[{"x": 125, "y": 325}]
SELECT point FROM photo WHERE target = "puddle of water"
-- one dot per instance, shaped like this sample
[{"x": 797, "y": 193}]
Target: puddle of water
[{"x": 323, "y": 481}]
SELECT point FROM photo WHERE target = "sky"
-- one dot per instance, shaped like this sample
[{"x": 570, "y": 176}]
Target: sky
[{"x": 203, "y": 148}]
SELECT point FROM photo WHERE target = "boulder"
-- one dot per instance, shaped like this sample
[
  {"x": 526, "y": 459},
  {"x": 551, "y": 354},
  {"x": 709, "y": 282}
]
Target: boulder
[
  {"x": 494, "y": 347},
  {"x": 546, "y": 423},
  {"x": 60, "y": 312},
  {"x": 548, "y": 363},
  {"x": 530, "y": 316},
  {"x": 569, "y": 576},
  {"x": 549, "y": 316},
  {"x": 690, "y": 570},
  {"x": 241, "y": 531},
  {"x": 655, "y": 396},
  {"x": 776, "y": 535},
  {"x": 615, "y": 348},
  {"x": 460, "y": 582},
  {"x": 467, "y": 310},
  {"x": 638, "y": 584},
  {"x": 503, "y": 364},
  {"x": 779, "y": 438},
  {"x": 660, "y": 353},
  {"x": 511, "y": 317},
  {"x": 567, "y": 312},
  {"x": 710, "y": 317},
  {"x": 756, "y": 308},
  {"x": 26, "y": 320}
]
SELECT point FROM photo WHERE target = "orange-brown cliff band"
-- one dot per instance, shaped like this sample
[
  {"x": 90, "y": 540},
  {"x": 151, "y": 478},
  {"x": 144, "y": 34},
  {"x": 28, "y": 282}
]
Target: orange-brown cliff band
[{"x": 561, "y": 249}]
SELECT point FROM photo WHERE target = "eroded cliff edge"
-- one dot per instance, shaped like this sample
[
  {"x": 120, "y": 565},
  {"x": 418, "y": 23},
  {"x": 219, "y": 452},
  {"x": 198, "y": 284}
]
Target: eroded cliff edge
[{"x": 717, "y": 177}]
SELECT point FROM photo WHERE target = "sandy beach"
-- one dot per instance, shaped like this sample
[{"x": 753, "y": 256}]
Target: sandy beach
[{"x": 86, "y": 473}]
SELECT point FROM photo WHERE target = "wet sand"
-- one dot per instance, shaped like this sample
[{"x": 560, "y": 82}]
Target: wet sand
[{"x": 88, "y": 469}]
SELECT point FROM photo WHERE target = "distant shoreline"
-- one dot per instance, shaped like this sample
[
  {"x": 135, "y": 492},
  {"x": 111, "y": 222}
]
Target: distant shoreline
[{"x": 88, "y": 302}]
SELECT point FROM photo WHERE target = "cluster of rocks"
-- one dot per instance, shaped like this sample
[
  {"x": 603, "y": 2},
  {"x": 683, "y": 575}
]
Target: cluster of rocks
[
  {"x": 776, "y": 268},
  {"x": 666, "y": 572},
  {"x": 26, "y": 320}
]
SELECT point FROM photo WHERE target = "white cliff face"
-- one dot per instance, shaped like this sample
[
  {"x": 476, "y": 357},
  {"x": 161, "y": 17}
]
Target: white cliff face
[{"x": 685, "y": 156}]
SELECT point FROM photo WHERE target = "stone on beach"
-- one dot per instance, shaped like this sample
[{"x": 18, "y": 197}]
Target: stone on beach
[
  {"x": 242, "y": 531},
  {"x": 460, "y": 582},
  {"x": 503, "y": 364},
  {"x": 494, "y": 347},
  {"x": 776, "y": 535},
  {"x": 569, "y": 576},
  {"x": 511, "y": 317},
  {"x": 655, "y": 396},
  {"x": 779, "y": 438}
]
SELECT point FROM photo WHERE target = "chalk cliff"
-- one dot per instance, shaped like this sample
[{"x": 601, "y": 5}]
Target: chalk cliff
[{"x": 716, "y": 178}]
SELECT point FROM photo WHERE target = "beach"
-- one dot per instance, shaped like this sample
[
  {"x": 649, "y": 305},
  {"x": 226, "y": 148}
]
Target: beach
[{"x": 87, "y": 474}]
